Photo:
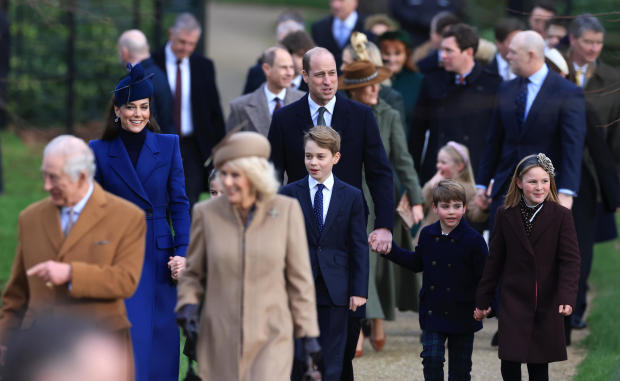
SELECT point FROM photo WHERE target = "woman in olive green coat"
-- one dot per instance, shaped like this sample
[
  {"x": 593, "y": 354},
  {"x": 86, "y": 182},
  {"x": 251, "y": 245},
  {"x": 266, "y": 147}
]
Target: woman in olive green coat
[{"x": 389, "y": 286}]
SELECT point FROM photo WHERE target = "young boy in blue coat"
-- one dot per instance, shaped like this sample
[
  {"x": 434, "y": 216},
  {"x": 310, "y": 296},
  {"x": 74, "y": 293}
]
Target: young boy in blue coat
[
  {"x": 336, "y": 230},
  {"x": 452, "y": 255}
]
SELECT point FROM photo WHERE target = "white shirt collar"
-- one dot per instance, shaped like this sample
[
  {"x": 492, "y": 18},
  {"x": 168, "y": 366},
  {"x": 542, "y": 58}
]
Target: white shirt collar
[
  {"x": 296, "y": 82},
  {"x": 77, "y": 208},
  {"x": 314, "y": 107},
  {"x": 583, "y": 68},
  {"x": 329, "y": 182},
  {"x": 539, "y": 77},
  {"x": 270, "y": 96},
  {"x": 349, "y": 22}
]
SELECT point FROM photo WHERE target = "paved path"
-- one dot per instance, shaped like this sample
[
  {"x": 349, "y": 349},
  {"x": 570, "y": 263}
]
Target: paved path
[{"x": 236, "y": 37}]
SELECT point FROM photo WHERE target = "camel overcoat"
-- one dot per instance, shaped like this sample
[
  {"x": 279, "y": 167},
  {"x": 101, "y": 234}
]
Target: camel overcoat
[
  {"x": 255, "y": 286},
  {"x": 538, "y": 274}
]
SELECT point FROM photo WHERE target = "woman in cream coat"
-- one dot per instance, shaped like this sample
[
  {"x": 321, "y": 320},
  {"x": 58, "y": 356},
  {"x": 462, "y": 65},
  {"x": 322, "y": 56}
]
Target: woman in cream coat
[{"x": 248, "y": 269}]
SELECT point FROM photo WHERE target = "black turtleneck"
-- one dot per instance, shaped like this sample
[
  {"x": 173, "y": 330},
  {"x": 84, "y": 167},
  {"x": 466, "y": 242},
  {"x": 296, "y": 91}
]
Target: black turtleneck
[{"x": 133, "y": 143}]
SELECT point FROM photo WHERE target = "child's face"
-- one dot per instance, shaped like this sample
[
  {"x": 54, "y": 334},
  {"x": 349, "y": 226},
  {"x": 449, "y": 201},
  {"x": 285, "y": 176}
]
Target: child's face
[
  {"x": 319, "y": 161},
  {"x": 446, "y": 165},
  {"x": 449, "y": 213},
  {"x": 535, "y": 185},
  {"x": 215, "y": 189}
]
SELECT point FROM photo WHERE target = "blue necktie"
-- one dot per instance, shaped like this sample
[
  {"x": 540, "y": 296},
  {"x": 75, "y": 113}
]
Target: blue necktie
[
  {"x": 521, "y": 101},
  {"x": 318, "y": 206}
]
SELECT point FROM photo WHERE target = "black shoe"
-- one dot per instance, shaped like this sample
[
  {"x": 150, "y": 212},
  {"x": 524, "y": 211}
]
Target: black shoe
[
  {"x": 577, "y": 323},
  {"x": 494, "y": 340}
]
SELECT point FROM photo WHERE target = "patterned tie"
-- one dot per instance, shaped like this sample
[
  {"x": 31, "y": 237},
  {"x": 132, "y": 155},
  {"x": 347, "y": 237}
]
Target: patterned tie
[
  {"x": 461, "y": 79},
  {"x": 320, "y": 121},
  {"x": 578, "y": 77},
  {"x": 278, "y": 103},
  {"x": 177, "y": 98},
  {"x": 318, "y": 206},
  {"x": 70, "y": 221},
  {"x": 521, "y": 101}
]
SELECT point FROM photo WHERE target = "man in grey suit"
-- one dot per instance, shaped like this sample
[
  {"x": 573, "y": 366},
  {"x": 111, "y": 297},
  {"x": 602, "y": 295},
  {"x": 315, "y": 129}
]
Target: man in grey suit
[{"x": 258, "y": 106}]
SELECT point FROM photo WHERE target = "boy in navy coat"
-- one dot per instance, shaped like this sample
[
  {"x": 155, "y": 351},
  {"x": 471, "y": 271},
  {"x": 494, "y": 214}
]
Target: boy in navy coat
[
  {"x": 336, "y": 230},
  {"x": 452, "y": 255}
]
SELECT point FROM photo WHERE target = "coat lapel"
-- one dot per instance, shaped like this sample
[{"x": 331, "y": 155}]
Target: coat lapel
[
  {"x": 258, "y": 112},
  {"x": 335, "y": 203},
  {"x": 148, "y": 159},
  {"x": 340, "y": 119},
  {"x": 303, "y": 195},
  {"x": 510, "y": 108},
  {"x": 51, "y": 224},
  {"x": 303, "y": 113},
  {"x": 542, "y": 221},
  {"x": 91, "y": 215},
  {"x": 514, "y": 218},
  {"x": 544, "y": 94},
  {"x": 121, "y": 164}
]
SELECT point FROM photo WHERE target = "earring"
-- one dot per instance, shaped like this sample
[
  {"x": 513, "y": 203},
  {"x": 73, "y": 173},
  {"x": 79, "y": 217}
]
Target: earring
[{"x": 116, "y": 119}]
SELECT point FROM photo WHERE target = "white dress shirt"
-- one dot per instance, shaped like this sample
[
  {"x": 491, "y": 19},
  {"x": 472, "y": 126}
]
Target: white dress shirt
[
  {"x": 503, "y": 68},
  {"x": 296, "y": 82},
  {"x": 327, "y": 115},
  {"x": 341, "y": 30},
  {"x": 327, "y": 192},
  {"x": 271, "y": 98},
  {"x": 187, "y": 123},
  {"x": 77, "y": 208}
]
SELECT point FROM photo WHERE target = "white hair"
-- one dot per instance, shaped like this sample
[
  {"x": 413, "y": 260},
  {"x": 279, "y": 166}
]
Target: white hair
[
  {"x": 260, "y": 172},
  {"x": 79, "y": 158},
  {"x": 135, "y": 42}
]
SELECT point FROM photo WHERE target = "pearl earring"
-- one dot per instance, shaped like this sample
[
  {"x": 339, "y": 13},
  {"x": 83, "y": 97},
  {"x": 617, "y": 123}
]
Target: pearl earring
[{"x": 116, "y": 119}]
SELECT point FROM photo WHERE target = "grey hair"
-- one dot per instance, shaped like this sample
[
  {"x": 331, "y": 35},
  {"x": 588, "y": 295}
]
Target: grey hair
[
  {"x": 286, "y": 27},
  {"x": 269, "y": 55},
  {"x": 583, "y": 23},
  {"x": 79, "y": 158},
  {"x": 135, "y": 42},
  {"x": 186, "y": 22}
]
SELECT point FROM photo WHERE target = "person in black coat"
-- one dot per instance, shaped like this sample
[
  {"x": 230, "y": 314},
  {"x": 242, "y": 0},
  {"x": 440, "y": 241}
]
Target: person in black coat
[
  {"x": 198, "y": 118},
  {"x": 455, "y": 104},
  {"x": 133, "y": 48}
]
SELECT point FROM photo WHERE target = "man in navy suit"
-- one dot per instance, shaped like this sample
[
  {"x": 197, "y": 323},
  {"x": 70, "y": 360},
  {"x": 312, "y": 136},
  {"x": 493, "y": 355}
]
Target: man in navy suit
[
  {"x": 505, "y": 30},
  {"x": 196, "y": 109},
  {"x": 539, "y": 111},
  {"x": 336, "y": 231},
  {"x": 333, "y": 32},
  {"x": 361, "y": 147}
]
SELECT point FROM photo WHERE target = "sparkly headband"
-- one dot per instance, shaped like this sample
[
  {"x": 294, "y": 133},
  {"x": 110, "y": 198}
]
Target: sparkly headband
[
  {"x": 457, "y": 147},
  {"x": 355, "y": 81},
  {"x": 545, "y": 163}
]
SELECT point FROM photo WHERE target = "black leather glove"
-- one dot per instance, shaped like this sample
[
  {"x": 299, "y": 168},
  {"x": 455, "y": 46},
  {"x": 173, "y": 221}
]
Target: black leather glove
[
  {"x": 312, "y": 355},
  {"x": 187, "y": 319}
]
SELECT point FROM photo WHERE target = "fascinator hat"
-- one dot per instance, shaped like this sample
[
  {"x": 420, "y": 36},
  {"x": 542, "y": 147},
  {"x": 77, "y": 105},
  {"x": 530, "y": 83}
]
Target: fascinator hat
[{"x": 136, "y": 85}]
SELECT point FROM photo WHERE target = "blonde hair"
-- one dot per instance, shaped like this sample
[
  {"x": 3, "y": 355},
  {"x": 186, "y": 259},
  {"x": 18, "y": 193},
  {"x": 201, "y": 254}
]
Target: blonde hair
[
  {"x": 514, "y": 194},
  {"x": 260, "y": 172},
  {"x": 460, "y": 154}
]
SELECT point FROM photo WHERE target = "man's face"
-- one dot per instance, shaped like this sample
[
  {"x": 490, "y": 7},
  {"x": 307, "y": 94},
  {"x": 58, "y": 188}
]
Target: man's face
[
  {"x": 502, "y": 47},
  {"x": 323, "y": 78},
  {"x": 342, "y": 8},
  {"x": 518, "y": 58},
  {"x": 588, "y": 47},
  {"x": 183, "y": 43},
  {"x": 454, "y": 59},
  {"x": 555, "y": 33},
  {"x": 280, "y": 75},
  {"x": 63, "y": 190},
  {"x": 537, "y": 19}
]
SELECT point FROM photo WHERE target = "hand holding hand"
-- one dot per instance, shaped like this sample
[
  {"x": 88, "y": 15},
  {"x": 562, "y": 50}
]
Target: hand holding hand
[
  {"x": 356, "y": 301},
  {"x": 565, "y": 310},
  {"x": 51, "y": 272},
  {"x": 481, "y": 314},
  {"x": 380, "y": 240},
  {"x": 176, "y": 265},
  {"x": 418, "y": 213},
  {"x": 482, "y": 200}
]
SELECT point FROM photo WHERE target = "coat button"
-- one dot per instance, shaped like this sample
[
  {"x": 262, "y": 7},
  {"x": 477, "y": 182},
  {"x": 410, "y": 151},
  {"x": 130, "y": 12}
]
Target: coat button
[
  {"x": 449, "y": 265},
  {"x": 434, "y": 263},
  {"x": 432, "y": 288},
  {"x": 430, "y": 312}
]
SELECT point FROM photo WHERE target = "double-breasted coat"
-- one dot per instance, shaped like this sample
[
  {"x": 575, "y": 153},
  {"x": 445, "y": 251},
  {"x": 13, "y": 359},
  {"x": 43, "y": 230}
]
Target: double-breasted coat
[
  {"x": 156, "y": 185},
  {"x": 538, "y": 274},
  {"x": 255, "y": 285}
]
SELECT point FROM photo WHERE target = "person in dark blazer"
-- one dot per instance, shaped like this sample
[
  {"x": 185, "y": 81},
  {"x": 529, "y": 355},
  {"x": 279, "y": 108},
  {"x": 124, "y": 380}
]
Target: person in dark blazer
[
  {"x": 534, "y": 251},
  {"x": 133, "y": 48},
  {"x": 333, "y": 32},
  {"x": 455, "y": 104},
  {"x": 298, "y": 43},
  {"x": 336, "y": 231},
  {"x": 257, "y": 107},
  {"x": 196, "y": 109},
  {"x": 537, "y": 112},
  {"x": 144, "y": 167},
  {"x": 361, "y": 148},
  {"x": 505, "y": 29}
]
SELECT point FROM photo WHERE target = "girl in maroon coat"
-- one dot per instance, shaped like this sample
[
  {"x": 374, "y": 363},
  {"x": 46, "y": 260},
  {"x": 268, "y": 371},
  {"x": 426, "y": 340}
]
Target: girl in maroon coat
[{"x": 534, "y": 252}]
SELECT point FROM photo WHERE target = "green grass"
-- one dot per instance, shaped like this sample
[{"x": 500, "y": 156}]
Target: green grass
[{"x": 603, "y": 344}]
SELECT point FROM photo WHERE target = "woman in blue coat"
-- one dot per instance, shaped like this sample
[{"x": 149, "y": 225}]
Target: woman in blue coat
[{"x": 144, "y": 167}]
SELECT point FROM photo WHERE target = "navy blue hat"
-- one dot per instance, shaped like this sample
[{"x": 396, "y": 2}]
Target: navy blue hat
[{"x": 134, "y": 86}]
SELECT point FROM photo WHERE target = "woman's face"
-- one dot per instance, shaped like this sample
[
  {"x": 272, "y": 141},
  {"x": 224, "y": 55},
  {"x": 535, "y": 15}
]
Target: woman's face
[
  {"x": 237, "y": 187},
  {"x": 447, "y": 166},
  {"x": 368, "y": 95},
  {"x": 134, "y": 115},
  {"x": 394, "y": 55},
  {"x": 535, "y": 184}
]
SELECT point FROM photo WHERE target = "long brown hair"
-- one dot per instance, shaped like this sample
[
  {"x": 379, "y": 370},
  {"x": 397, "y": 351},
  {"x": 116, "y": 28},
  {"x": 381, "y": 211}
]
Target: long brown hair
[
  {"x": 513, "y": 197},
  {"x": 112, "y": 128}
]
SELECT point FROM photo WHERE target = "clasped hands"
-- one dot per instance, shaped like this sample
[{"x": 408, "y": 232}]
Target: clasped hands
[
  {"x": 176, "y": 265},
  {"x": 380, "y": 240},
  {"x": 564, "y": 310}
]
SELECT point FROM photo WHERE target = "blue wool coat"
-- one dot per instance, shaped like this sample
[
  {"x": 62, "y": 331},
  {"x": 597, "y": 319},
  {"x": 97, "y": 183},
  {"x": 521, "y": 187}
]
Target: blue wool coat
[
  {"x": 157, "y": 185},
  {"x": 452, "y": 267}
]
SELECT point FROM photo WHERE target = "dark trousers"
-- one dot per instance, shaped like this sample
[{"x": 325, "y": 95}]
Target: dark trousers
[
  {"x": 511, "y": 371},
  {"x": 333, "y": 321},
  {"x": 460, "y": 348},
  {"x": 193, "y": 167},
  {"x": 353, "y": 334}
]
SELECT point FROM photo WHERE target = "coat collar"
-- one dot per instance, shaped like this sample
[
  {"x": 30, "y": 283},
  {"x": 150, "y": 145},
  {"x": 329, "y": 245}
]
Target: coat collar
[
  {"x": 457, "y": 233},
  {"x": 543, "y": 219},
  {"x": 258, "y": 111}
]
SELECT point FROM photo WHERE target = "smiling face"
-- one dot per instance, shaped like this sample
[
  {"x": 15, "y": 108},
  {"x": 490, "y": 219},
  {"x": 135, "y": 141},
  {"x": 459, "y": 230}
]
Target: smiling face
[
  {"x": 368, "y": 95},
  {"x": 449, "y": 214},
  {"x": 322, "y": 79},
  {"x": 280, "y": 74},
  {"x": 535, "y": 185},
  {"x": 63, "y": 190},
  {"x": 394, "y": 55},
  {"x": 134, "y": 115},
  {"x": 319, "y": 161},
  {"x": 447, "y": 166},
  {"x": 237, "y": 186}
]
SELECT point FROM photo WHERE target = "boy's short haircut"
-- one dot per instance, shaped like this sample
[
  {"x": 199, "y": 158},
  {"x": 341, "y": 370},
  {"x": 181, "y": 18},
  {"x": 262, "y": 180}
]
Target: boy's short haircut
[
  {"x": 449, "y": 190},
  {"x": 324, "y": 137}
]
